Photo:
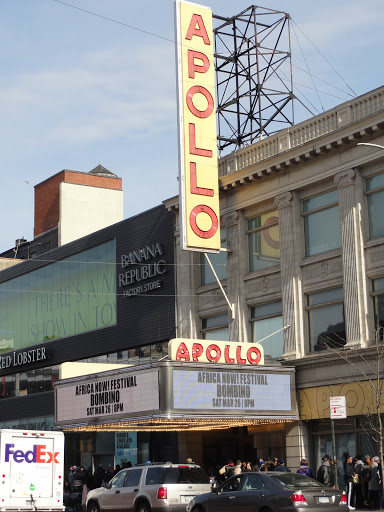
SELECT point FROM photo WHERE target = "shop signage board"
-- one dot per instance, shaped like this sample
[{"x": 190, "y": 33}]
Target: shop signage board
[
  {"x": 207, "y": 351},
  {"x": 338, "y": 407},
  {"x": 107, "y": 396},
  {"x": 198, "y": 180}
]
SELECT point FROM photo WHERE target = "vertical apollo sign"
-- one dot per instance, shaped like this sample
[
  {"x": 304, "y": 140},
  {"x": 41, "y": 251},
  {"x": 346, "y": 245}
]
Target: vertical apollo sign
[{"x": 199, "y": 187}]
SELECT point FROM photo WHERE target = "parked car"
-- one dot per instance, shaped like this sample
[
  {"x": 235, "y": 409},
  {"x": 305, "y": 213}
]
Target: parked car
[
  {"x": 270, "y": 492},
  {"x": 150, "y": 488}
]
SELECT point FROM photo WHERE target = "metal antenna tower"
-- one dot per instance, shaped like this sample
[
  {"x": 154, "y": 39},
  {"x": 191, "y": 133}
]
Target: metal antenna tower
[{"x": 254, "y": 75}]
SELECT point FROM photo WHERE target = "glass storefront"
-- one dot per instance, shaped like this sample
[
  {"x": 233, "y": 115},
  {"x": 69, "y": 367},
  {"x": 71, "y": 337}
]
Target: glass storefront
[{"x": 67, "y": 297}]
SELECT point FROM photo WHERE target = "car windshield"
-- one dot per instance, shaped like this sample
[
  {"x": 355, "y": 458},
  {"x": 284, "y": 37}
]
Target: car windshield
[
  {"x": 185, "y": 475},
  {"x": 295, "y": 480}
]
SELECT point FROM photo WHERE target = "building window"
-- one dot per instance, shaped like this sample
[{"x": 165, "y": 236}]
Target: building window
[
  {"x": 219, "y": 263},
  {"x": 267, "y": 319},
  {"x": 326, "y": 319},
  {"x": 263, "y": 241},
  {"x": 375, "y": 197},
  {"x": 378, "y": 305},
  {"x": 215, "y": 328},
  {"x": 321, "y": 223}
]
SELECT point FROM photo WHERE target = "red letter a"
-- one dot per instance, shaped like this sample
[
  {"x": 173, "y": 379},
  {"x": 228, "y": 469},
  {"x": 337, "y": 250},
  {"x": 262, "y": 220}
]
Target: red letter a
[{"x": 197, "y": 28}]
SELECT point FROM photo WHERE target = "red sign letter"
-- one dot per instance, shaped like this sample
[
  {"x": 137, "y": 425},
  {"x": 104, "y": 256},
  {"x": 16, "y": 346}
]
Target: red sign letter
[
  {"x": 195, "y": 228},
  {"x": 226, "y": 355},
  {"x": 197, "y": 28},
  {"x": 197, "y": 350},
  {"x": 193, "y": 150},
  {"x": 197, "y": 68},
  {"x": 256, "y": 352},
  {"x": 238, "y": 355},
  {"x": 182, "y": 353},
  {"x": 202, "y": 114},
  {"x": 210, "y": 357},
  {"x": 194, "y": 188}
]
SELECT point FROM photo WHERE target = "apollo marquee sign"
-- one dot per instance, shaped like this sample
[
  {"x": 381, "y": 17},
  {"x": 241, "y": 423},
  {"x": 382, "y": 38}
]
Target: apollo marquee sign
[
  {"x": 198, "y": 181},
  {"x": 204, "y": 351}
]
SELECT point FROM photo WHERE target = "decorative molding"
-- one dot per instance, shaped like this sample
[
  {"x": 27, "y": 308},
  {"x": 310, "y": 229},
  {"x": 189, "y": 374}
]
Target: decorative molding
[
  {"x": 345, "y": 178},
  {"x": 371, "y": 169},
  {"x": 264, "y": 284},
  {"x": 256, "y": 210},
  {"x": 283, "y": 200},
  {"x": 229, "y": 219},
  {"x": 318, "y": 188},
  {"x": 324, "y": 269}
]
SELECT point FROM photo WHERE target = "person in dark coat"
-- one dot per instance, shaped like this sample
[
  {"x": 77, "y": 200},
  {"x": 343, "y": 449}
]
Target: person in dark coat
[
  {"x": 281, "y": 466},
  {"x": 349, "y": 471},
  {"x": 326, "y": 473},
  {"x": 359, "y": 491},
  {"x": 374, "y": 484},
  {"x": 99, "y": 476}
]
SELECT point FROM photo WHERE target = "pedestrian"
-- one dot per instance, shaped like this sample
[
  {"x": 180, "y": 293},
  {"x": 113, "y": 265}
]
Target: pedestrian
[
  {"x": 367, "y": 465},
  {"x": 227, "y": 471},
  {"x": 238, "y": 467},
  {"x": 358, "y": 483},
  {"x": 98, "y": 476},
  {"x": 374, "y": 484},
  {"x": 281, "y": 466},
  {"x": 326, "y": 473},
  {"x": 70, "y": 477},
  {"x": 109, "y": 474},
  {"x": 304, "y": 469},
  {"x": 251, "y": 467},
  {"x": 349, "y": 472}
]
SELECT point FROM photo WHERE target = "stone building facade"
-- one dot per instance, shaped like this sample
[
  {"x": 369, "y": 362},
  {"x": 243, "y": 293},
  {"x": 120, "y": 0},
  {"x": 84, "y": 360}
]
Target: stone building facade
[{"x": 302, "y": 220}]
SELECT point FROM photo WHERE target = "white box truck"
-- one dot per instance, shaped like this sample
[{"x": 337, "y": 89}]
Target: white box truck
[{"x": 31, "y": 470}]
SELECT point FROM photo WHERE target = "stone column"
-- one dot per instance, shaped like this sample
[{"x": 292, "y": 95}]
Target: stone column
[
  {"x": 353, "y": 259},
  {"x": 289, "y": 269},
  {"x": 236, "y": 270}
]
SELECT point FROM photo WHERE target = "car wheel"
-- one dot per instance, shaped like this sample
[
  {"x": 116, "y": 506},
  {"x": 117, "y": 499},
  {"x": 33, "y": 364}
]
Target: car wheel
[
  {"x": 92, "y": 506},
  {"x": 265, "y": 509},
  {"x": 143, "y": 507},
  {"x": 198, "y": 508}
]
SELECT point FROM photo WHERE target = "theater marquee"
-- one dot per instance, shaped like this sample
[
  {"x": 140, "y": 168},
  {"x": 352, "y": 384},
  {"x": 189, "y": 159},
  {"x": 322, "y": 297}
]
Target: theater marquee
[
  {"x": 199, "y": 190},
  {"x": 171, "y": 395}
]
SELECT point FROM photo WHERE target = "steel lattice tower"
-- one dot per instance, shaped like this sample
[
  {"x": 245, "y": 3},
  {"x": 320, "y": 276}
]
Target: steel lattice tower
[{"x": 254, "y": 75}]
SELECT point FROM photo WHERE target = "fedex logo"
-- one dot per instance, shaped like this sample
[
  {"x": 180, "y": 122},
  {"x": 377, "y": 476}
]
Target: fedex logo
[{"x": 37, "y": 454}]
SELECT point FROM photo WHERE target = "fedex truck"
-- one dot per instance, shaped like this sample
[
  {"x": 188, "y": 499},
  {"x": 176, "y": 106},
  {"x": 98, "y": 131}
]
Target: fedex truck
[{"x": 31, "y": 470}]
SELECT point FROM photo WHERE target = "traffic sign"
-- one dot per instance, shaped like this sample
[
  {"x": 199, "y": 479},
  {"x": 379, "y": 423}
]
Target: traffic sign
[{"x": 338, "y": 407}]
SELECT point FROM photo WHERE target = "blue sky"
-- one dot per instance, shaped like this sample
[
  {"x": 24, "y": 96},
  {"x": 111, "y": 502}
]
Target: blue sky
[{"x": 76, "y": 89}]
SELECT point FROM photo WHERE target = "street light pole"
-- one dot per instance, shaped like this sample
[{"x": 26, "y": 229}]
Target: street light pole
[{"x": 369, "y": 144}]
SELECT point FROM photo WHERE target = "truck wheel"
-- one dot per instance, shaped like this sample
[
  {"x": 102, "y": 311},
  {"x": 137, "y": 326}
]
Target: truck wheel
[
  {"x": 93, "y": 507},
  {"x": 143, "y": 507}
]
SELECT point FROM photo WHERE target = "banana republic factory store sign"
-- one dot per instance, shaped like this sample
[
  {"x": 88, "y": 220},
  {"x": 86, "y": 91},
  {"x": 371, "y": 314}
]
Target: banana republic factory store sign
[{"x": 207, "y": 385}]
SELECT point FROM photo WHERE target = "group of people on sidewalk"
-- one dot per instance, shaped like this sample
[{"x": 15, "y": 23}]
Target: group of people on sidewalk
[{"x": 362, "y": 479}]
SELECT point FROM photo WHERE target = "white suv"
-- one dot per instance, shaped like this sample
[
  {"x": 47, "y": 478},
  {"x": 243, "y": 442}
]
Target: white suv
[{"x": 150, "y": 488}]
